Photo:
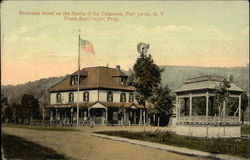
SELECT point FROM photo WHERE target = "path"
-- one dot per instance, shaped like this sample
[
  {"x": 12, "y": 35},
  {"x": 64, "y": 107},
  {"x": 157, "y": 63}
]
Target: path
[{"x": 81, "y": 145}]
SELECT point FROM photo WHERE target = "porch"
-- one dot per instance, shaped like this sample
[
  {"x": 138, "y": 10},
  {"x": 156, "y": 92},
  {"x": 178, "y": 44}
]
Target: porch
[{"x": 97, "y": 114}]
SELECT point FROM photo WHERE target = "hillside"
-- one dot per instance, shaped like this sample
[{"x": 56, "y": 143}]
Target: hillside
[
  {"x": 174, "y": 76},
  {"x": 38, "y": 88}
]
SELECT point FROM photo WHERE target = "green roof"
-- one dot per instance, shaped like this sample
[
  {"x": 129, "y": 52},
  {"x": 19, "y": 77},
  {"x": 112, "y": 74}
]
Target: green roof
[{"x": 204, "y": 83}]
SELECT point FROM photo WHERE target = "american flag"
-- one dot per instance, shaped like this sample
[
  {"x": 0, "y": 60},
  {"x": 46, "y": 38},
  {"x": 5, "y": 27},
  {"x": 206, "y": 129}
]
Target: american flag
[{"x": 87, "y": 46}]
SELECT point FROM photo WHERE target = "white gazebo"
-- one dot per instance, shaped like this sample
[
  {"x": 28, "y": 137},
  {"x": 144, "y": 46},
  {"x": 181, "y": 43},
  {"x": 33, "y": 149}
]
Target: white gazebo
[{"x": 207, "y": 123}]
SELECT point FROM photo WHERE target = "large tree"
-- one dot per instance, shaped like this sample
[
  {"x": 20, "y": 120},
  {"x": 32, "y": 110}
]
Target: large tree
[
  {"x": 146, "y": 76},
  {"x": 17, "y": 113},
  {"x": 162, "y": 101},
  {"x": 30, "y": 107}
]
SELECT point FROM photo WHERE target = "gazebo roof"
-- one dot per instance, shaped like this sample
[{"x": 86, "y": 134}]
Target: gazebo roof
[{"x": 207, "y": 82}]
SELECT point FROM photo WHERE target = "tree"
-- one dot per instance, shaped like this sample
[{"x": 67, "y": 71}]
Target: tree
[
  {"x": 244, "y": 104},
  {"x": 8, "y": 114},
  {"x": 222, "y": 94},
  {"x": 30, "y": 107},
  {"x": 162, "y": 101},
  {"x": 17, "y": 113},
  {"x": 4, "y": 104},
  {"x": 146, "y": 76}
]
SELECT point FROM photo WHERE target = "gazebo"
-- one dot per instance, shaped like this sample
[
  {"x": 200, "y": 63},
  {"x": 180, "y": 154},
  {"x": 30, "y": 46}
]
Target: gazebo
[{"x": 207, "y": 122}]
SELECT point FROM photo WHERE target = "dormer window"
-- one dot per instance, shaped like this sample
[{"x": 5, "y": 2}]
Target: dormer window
[
  {"x": 123, "y": 81},
  {"x": 58, "y": 97},
  {"x": 123, "y": 97},
  {"x": 74, "y": 80}
]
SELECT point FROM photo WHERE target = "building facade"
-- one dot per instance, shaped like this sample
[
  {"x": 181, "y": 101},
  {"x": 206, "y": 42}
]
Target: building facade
[{"x": 104, "y": 98}]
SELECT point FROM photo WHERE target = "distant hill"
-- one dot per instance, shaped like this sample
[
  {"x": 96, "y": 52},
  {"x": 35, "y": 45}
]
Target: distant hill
[
  {"x": 174, "y": 76},
  {"x": 38, "y": 88}
]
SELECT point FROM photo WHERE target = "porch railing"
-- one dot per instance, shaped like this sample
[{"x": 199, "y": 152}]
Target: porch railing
[{"x": 228, "y": 120}]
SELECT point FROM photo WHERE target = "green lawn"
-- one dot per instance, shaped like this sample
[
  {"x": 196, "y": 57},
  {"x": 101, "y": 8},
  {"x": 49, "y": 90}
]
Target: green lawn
[
  {"x": 18, "y": 148},
  {"x": 233, "y": 146},
  {"x": 44, "y": 128}
]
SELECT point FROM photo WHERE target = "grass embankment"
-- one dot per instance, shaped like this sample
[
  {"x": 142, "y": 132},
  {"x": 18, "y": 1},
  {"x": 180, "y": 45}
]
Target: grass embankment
[
  {"x": 43, "y": 128},
  {"x": 18, "y": 148},
  {"x": 233, "y": 146}
]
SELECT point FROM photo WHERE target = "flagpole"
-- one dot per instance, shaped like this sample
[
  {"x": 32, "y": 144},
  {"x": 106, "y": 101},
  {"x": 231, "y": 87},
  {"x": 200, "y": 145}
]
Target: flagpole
[{"x": 78, "y": 82}]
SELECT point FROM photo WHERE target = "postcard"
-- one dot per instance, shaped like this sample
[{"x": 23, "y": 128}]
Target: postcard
[{"x": 135, "y": 80}]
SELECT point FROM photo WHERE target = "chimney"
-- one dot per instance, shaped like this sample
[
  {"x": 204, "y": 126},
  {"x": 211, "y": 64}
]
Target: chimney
[{"x": 118, "y": 67}]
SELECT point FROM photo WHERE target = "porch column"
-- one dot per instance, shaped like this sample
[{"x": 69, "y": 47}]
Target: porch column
[
  {"x": 106, "y": 115},
  {"x": 134, "y": 117},
  {"x": 140, "y": 116},
  {"x": 51, "y": 116},
  {"x": 239, "y": 108},
  {"x": 59, "y": 114},
  {"x": 65, "y": 116},
  {"x": 71, "y": 111},
  {"x": 56, "y": 115},
  {"x": 190, "y": 108},
  {"x": 207, "y": 99},
  {"x": 144, "y": 117},
  {"x": 176, "y": 108},
  {"x": 81, "y": 111},
  {"x": 124, "y": 115}
]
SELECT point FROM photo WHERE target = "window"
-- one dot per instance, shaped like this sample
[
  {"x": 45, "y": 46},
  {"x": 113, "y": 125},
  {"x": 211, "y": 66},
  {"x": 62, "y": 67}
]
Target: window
[
  {"x": 86, "y": 96},
  {"x": 58, "y": 97},
  {"x": 131, "y": 97},
  {"x": 123, "y": 97},
  {"x": 123, "y": 81},
  {"x": 74, "y": 80},
  {"x": 110, "y": 97},
  {"x": 71, "y": 97}
]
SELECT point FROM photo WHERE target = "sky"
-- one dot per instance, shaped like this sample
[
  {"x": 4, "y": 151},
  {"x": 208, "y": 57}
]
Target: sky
[{"x": 193, "y": 33}]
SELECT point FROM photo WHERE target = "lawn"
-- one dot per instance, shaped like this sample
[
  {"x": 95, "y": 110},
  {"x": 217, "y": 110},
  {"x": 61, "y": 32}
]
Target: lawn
[
  {"x": 18, "y": 148},
  {"x": 43, "y": 128},
  {"x": 233, "y": 146}
]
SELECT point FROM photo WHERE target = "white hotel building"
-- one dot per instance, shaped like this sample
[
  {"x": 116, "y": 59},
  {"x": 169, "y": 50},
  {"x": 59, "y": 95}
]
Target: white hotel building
[{"x": 104, "y": 98}]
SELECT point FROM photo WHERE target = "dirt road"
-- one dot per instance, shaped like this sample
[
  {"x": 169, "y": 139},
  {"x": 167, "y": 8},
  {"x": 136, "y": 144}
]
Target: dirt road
[{"x": 83, "y": 146}]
